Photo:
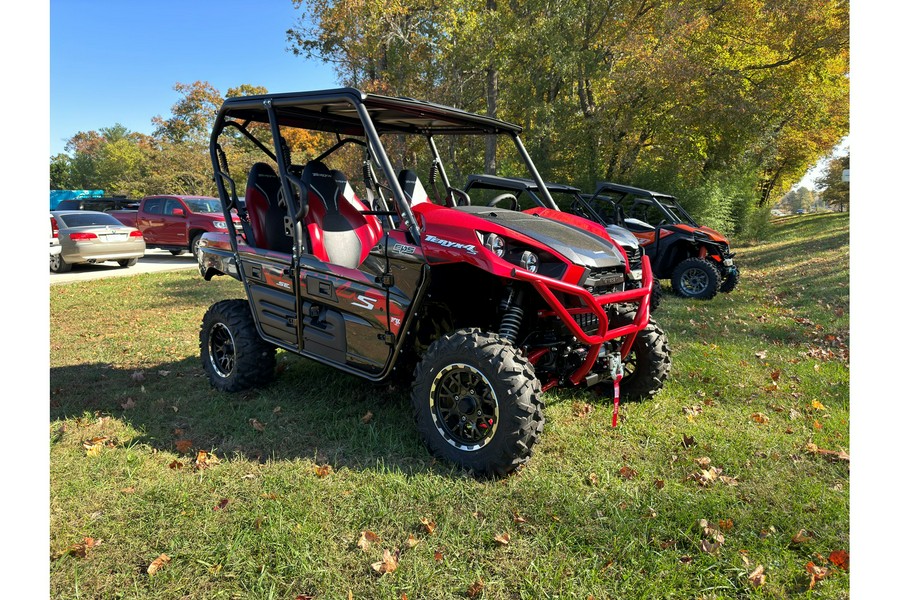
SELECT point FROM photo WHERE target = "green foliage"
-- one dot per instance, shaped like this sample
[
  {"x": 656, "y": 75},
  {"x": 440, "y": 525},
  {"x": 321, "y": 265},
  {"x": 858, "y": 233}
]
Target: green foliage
[{"x": 835, "y": 192}]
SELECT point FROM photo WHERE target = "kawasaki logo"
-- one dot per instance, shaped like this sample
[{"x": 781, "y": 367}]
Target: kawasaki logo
[{"x": 470, "y": 248}]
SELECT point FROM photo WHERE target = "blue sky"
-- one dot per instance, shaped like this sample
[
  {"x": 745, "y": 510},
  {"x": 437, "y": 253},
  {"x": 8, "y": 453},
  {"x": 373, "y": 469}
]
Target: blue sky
[{"x": 116, "y": 61}]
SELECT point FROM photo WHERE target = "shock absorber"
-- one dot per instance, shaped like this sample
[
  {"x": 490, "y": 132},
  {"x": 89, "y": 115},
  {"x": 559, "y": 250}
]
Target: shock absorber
[{"x": 512, "y": 315}]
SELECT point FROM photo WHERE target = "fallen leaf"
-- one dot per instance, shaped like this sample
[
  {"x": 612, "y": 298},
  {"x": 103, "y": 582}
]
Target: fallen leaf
[
  {"x": 175, "y": 465},
  {"x": 703, "y": 461},
  {"x": 692, "y": 411},
  {"x": 761, "y": 355},
  {"x": 367, "y": 418},
  {"x": 137, "y": 376},
  {"x": 816, "y": 573},
  {"x": 128, "y": 490},
  {"x": 129, "y": 403},
  {"x": 775, "y": 375},
  {"x": 841, "y": 559},
  {"x": 411, "y": 541},
  {"x": 582, "y": 410},
  {"x": 760, "y": 418},
  {"x": 221, "y": 505},
  {"x": 323, "y": 470},
  {"x": 627, "y": 472},
  {"x": 502, "y": 539},
  {"x": 428, "y": 524},
  {"x": 801, "y": 537},
  {"x": 387, "y": 564},
  {"x": 161, "y": 561},
  {"x": 659, "y": 484},
  {"x": 257, "y": 425},
  {"x": 517, "y": 518},
  {"x": 276, "y": 410},
  {"x": 80, "y": 549},
  {"x": 183, "y": 446},
  {"x": 728, "y": 480},
  {"x": 592, "y": 479},
  {"x": 269, "y": 496},
  {"x": 687, "y": 441},
  {"x": 710, "y": 532},
  {"x": 366, "y": 539},
  {"x": 756, "y": 577},
  {"x": 686, "y": 559},
  {"x": 475, "y": 589},
  {"x": 817, "y": 405},
  {"x": 725, "y": 524},
  {"x": 710, "y": 547},
  {"x": 438, "y": 556},
  {"x": 205, "y": 459}
]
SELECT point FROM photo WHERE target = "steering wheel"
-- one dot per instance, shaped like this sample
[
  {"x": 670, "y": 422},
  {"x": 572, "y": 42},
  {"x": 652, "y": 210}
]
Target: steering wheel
[{"x": 507, "y": 196}]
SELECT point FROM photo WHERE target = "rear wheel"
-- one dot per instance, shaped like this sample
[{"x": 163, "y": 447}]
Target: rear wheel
[
  {"x": 696, "y": 278},
  {"x": 127, "y": 263},
  {"x": 58, "y": 264},
  {"x": 176, "y": 252},
  {"x": 477, "y": 402},
  {"x": 234, "y": 356},
  {"x": 730, "y": 281},
  {"x": 649, "y": 361}
]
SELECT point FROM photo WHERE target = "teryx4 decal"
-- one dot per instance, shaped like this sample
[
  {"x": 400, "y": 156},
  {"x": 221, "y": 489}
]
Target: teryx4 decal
[{"x": 470, "y": 248}]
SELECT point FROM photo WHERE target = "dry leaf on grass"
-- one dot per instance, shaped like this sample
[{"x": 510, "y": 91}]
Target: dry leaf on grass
[
  {"x": 257, "y": 425},
  {"x": 592, "y": 479},
  {"x": 502, "y": 539},
  {"x": 832, "y": 455},
  {"x": 182, "y": 446},
  {"x": 161, "y": 561},
  {"x": 80, "y": 549},
  {"x": 816, "y": 573},
  {"x": 801, "y": 537},
  {"x": 222, "y": 504},
  {"x": 138, "y": 376},
  {"x": 411, "y": 541},
  {"x": 322, "y": 471},
  {"x": 517, "y": 518},
  {"x": 366, "y": 539},
  {"x": 757, "y": 578},
  {"x": 127, "y": 490},
  {"x": 760, "y": 418},
  {"x": 627, "y": 472},
  {"x": 475, "y": 589},
  {"x": 175, "y": 464},
  {"x": 387, "y": 564},
  {"x": 129, "y": 403},
  {"x": 438, "y": 556},
  {"x": 703, "y": 461},
  {"x": 840, "y": 559},
  {"x": 817, "y": 405},
  {"x": 367, "y": 418},
  {"x": 428, "y": 524},
  {"x": 206, "y": 459}
]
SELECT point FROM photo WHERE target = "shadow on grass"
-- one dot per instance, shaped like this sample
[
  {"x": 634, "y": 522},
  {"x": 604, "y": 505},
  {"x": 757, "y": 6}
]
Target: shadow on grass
[{"x": 308, "y": 412}]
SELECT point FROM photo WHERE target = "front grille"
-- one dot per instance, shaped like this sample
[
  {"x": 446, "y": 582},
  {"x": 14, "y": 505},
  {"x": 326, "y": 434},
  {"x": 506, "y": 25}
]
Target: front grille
[
  {"x": 603, "y": 281},
  {"x": 588, "y": 322},
  {"x": 634, "y": 257}
]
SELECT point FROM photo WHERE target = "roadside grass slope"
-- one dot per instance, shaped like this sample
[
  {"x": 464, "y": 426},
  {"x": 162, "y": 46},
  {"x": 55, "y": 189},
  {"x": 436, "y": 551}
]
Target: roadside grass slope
[{"x": 266, "y": 494}]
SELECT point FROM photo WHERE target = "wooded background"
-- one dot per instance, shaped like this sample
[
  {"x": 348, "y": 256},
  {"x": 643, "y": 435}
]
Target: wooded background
[{"x": 723, "y": 103}]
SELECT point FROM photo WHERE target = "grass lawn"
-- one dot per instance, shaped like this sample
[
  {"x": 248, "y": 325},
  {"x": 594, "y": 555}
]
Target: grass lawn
[{"x": 733, "y": 482}]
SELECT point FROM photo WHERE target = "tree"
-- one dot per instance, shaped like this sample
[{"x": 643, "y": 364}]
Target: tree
[
  {"x": 834, "y": 191},
  {"x": 192, "y": 115}
]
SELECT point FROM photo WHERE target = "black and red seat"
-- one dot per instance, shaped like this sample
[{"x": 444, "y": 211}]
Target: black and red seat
[
  {"x": 338, "y": 232},
  {"x": 265, "y": 213}
]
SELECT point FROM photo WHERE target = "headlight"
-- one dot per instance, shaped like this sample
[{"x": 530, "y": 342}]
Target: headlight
[
  {"x": 220, "y": 225},
  {"x": 496, "y": 244},
  {"x": 530, "y": 261}
]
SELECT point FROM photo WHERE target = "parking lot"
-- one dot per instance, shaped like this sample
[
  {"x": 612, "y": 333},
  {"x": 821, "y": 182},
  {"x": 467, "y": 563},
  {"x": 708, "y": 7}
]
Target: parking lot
[{"x": 153, "y": 261}]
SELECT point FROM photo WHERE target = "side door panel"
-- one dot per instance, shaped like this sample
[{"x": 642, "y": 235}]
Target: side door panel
[{"x": 270, "y": 288}]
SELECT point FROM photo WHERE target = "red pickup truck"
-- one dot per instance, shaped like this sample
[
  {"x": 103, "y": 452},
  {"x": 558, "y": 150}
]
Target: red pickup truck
[{"x": 175, "y": 223}]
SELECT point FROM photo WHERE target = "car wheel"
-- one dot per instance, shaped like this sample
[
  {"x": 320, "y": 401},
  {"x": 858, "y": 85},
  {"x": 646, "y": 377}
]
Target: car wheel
[
  {"x": 477, "y": 402},
  {"x": 58, "y": 264},
  {"x": 234, "y": 357},
  {"x": 127, "y": 263},
  {"x": 696, "y": 278},
  {"x": 195, "y": 245},
  {"x": 176, "y": 252},
  {"x": 730, "y": 281}
]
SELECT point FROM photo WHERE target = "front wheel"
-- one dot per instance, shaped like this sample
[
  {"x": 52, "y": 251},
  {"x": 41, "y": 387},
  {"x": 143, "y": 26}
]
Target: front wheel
[
  {"x": 127, "y": 263},
  {"x": 696, "y": 278},
  {"x": 655, "y": 295},
  {"x": 730, "y": 281},
  {"x": 477, "y": 402},
  {"x": 649, "y": 361},
  {"x": 195, "y": 245},
  {"x": 234, "y": 357}
]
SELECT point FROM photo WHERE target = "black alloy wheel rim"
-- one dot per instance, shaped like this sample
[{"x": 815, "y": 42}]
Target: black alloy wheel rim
[
  {"x": 221, "y": 350},
  {"x": 694, "y": 281},
  {"x": 464, "y": 407}
]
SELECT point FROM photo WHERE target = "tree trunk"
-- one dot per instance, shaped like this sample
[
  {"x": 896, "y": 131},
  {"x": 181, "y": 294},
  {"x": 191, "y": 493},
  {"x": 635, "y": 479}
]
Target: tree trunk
[{"x": 492, "y": 90}]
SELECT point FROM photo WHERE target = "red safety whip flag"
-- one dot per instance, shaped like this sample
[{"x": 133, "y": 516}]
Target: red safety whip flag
[{"x": 616, "y": 381}]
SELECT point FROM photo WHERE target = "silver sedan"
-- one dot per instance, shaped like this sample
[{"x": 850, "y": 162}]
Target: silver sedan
[{"x": 93, "y": 237}]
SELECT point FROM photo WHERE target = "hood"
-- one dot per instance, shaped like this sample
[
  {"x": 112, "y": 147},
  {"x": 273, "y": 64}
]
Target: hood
[
  {"x": 622, "y": 236},
  {"x": 577, "y": 246}
]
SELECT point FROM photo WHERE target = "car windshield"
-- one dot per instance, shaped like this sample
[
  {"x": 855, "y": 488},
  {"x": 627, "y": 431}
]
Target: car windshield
[
  {"x": 88, "y": 219},
  {"x": 204, "y": 205},
  {"x": 679, "y": 212}
]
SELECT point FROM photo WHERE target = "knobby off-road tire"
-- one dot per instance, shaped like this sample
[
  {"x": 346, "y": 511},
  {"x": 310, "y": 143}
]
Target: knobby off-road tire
[
  {"x": 234, "y": 357},
  {"x": 730, "y": 281},
  {"x": 59, "y": 265},
  {"x": 649, "y": 362},
  {"x": 696, "y": 278},
  {"x": 127, "y": 263},
  {"x": 655, "y": 295},
  {"x": 477, "y": 402}
]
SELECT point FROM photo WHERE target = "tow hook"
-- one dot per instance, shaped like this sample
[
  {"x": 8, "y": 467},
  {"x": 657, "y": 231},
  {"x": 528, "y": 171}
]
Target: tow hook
[{"x": 616, "y": 371}]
